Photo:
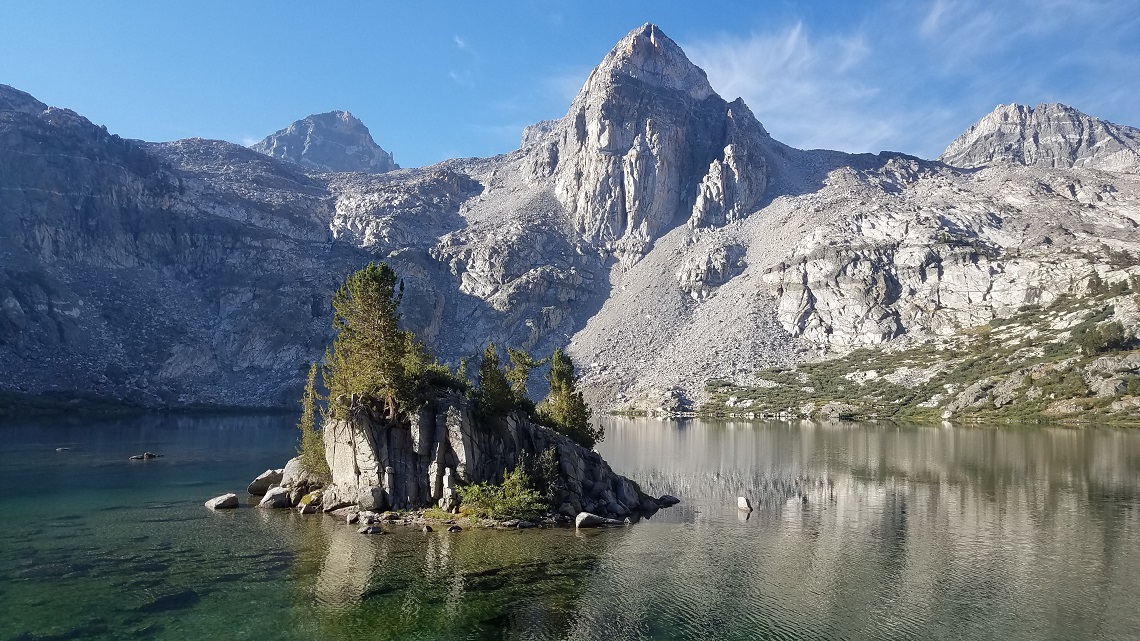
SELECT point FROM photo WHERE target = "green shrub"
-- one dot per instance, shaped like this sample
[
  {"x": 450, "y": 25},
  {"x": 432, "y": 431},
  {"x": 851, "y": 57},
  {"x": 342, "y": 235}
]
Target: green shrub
[
  {"x": 1103, "y": 338},
  {"x": 543, "y": 474},
  {"x": 513, "y": 499}
]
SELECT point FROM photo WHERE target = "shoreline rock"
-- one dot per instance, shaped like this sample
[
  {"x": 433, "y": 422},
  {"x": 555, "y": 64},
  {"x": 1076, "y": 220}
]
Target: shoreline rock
[
  {"x": 277, "y": 497},
  {"x": 223, "y": 502},
  {"x": 264, "y": 481}
]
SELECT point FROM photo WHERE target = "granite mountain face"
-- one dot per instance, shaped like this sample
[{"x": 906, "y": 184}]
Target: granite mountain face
[
  {"x": 656, "y": 229},
  {"x": 1050, "y": 135},
  {"x": 328, "y": 142}
]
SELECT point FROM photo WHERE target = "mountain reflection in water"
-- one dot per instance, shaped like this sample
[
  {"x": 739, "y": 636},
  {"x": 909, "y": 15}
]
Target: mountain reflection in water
[{"x": 860, "y": 531}]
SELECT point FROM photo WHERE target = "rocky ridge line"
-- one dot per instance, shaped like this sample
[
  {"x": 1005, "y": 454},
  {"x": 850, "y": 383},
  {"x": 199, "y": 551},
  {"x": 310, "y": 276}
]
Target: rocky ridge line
[{"x": 1050, "y": 135}]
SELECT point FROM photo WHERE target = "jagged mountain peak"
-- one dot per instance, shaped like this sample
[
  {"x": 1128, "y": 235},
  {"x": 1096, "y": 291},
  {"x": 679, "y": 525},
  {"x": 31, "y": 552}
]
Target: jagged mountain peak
[
  {"x": 647, "y": 144},
  {"x": 646, "y": 54},
  {"x": 1048, "y": 135},
  {"x": 335, "y": 141}
]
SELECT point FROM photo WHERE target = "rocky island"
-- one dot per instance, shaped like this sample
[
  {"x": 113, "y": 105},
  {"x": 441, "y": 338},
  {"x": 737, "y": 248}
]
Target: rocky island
[{"x": 402, "y": 433}]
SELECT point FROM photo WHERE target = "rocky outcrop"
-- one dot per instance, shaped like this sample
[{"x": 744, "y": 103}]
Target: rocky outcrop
[
  {"x": 921, "y": 260},
  {"x": 330, "y": 142},
  {"x": 702, "y": 271},
  {"x": 1050, "y": 135},
  {"x": 646, "y": 138},
  {"x": 380, "y": 466}
]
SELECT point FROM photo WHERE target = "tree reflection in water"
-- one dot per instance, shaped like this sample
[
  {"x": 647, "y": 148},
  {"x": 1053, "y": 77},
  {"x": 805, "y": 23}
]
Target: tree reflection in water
[{"x": 469, "y": 584}]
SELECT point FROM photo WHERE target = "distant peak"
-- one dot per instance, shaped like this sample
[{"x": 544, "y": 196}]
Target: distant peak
[
  {"x": 648, "y": 55},
  {"x": 334, "y": 141},
  {"x": 1050, "y": 135}
]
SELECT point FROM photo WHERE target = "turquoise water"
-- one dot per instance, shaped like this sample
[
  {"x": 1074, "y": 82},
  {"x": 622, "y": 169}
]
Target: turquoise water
[{"x": 859, "y": 532}]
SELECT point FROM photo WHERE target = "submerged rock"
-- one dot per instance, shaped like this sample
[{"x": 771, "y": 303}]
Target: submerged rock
[
  {"x": 372, "y": 529},
  {"x": 223, "y": 502}
]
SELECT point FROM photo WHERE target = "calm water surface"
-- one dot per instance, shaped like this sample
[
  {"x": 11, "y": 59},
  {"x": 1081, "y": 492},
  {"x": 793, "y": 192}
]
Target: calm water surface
[{"x": 859, "y": 532}]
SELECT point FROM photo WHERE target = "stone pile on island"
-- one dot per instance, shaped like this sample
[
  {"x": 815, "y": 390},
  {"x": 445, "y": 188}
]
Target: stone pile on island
[{"x": 383, "y": 472}]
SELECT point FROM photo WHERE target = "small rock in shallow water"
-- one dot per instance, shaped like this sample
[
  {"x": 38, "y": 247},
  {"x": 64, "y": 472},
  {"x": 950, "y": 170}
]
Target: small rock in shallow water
[
  {"x": 223, "y": 502},
  {"x": 742, "y": 503},
  {"x": 352, "y": 518},
  {"x": 454, "y": 528},
  {"x": 277, "y": 497},
  {"x": 63, "y": 449},
  {"x": 145, "y": 456},
  {"x": 524, "y": 525},
  {"x": 307, "y": 508},
  {"x": 372, "y": 529},
  {"x": 585, "y": 519},
  {"x": 426, "y": 528}
]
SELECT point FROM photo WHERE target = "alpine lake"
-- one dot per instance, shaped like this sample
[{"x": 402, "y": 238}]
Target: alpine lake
[{"x": 860, "y": 531}]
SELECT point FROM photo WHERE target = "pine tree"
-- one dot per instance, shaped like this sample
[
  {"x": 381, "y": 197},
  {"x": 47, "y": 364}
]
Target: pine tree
[
  {"x": 521, "y": 366},
  {"x": 565, "y": 408},
  {"x": 371, "y": 356},
  {"x": 312, "y": 447},
  {"x": 495, "y": 395}
]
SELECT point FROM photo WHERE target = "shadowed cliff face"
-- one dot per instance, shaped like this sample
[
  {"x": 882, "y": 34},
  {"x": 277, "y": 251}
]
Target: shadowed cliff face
[
  {"x": 657, "y": 230},
  {"x": 126, "y": 277}
]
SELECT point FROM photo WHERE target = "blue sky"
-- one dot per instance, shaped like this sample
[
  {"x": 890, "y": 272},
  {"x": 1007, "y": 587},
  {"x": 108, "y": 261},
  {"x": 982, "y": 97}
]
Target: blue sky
[{"x": 434, "y": 80}]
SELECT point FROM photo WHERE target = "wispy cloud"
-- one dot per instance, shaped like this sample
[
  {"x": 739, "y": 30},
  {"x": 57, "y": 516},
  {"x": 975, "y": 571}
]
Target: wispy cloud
[
  {"x": 246, "y": 141},
  {"x": 463, "y": 78},
  {"x": 461, "y": 43},
  {"x": 911, "y": 75},
  {"x": 807, "y": 90}
]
